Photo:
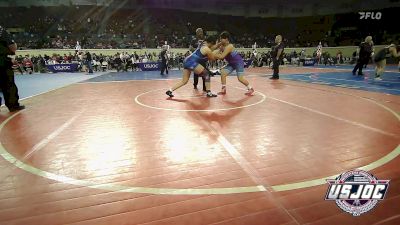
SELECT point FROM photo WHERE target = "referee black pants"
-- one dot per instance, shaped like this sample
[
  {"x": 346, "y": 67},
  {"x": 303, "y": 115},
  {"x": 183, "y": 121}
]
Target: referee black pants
[
  {"x": 275, "y": 67},
  {"x": 164, "y": 67},
  {"x": 8, "y": 87},
  {"x": 360, "y": 65},
  {"x": 196, "y": 79}
]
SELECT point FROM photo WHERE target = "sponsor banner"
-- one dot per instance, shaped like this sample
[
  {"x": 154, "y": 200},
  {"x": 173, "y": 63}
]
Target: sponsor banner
[
  {"x": 72, "y": 67},
  {"x": 247, "y": 63},
  {"x": 309, "y": 62},
  {"x": 149, "y": 66}
]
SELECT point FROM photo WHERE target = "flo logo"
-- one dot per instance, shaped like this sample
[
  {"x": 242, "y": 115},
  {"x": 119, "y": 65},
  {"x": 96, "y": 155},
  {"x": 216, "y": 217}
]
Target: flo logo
[
  {"x": 370, "y": 15},
  {"x": 356, "y": 191}
]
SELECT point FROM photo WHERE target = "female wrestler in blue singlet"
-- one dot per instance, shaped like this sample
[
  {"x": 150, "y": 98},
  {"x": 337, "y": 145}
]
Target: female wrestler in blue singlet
[{"x": 193, "y": 63}]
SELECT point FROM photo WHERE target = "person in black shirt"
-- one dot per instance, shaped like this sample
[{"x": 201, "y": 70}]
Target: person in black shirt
[
  {"x": 89, "y": 62},
  {"x": 200, "y": 39},
  {"x": 277, "y": 55},
  {"x": 364, "y": 55},
  {"x": 7, "y": 83},
  {"x": 164, "y": 60}
]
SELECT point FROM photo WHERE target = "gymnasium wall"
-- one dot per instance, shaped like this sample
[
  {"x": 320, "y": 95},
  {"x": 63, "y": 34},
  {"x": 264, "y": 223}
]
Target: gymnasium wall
[{"x": 346, "y": 50}]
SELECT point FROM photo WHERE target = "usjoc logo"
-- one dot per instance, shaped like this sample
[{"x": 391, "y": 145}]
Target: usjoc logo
[
  {"x": 151, "y": 66},
  {"x": 309, "y": 62},
  {"x": 370, "y": 15},
  {"x": 62, "y": 67},
  {"x": 356, "y": 191}
]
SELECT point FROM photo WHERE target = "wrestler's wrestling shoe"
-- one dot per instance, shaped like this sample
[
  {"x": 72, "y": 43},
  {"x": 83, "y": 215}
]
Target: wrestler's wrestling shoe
[
  {"x": 169, "y": 93},
  {"x": 377, "y": 77},
  {"x": 250, "y": 92},
  {"x": 210, "y": 94}
]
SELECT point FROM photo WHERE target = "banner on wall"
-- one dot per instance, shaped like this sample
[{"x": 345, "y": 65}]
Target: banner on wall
[
  {"x": 309, "y": 62},
  {"x": 149, "y": 66},
  {"x": 72, "y": 67}
]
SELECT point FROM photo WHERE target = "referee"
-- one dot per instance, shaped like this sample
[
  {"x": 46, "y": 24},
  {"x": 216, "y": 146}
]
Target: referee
[
  {"x": 200, "y": 39},
  {"x": 164, "y": 60},
  {"x": 7, "y": 83},
  {"x": 364, "y": 55},
  {"x": 277, "y": 55}
]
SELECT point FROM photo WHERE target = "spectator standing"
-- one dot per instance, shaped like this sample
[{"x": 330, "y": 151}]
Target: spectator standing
[{"x": 89, "y": 62}]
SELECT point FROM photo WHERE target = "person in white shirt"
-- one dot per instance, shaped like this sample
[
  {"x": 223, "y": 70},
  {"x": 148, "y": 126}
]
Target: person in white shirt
[
  {"x": 78, "y": 46},
  {"x": 134, "y": 63},
  {"x": 104, "y": 65},
  {"x": 145, "y": 59}
]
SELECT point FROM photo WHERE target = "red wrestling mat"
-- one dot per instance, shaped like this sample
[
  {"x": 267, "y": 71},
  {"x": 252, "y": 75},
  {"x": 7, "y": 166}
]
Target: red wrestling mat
[{"x": 78, "y": 147}]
